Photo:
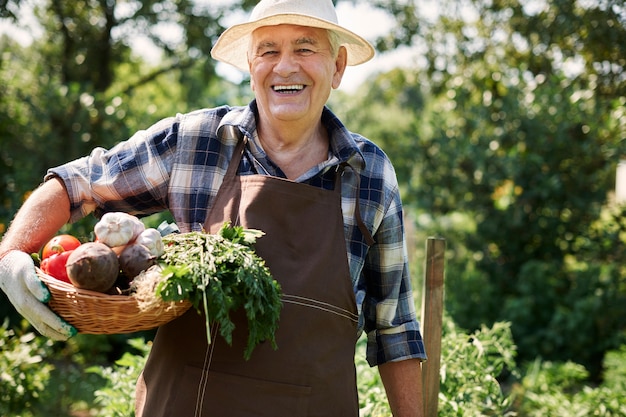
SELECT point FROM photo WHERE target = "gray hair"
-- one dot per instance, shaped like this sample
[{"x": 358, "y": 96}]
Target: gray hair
[{"x": 333, "y": 38}]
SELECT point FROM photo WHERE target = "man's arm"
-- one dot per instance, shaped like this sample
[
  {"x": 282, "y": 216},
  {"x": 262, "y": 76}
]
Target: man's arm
[
  {"x": 40, "y": 218},
  {"x": 403, "y": 384}
]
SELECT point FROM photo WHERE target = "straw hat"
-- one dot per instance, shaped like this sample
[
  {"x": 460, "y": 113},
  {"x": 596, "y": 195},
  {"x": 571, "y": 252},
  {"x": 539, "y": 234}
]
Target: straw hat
[{"x": 232, "y": 46}]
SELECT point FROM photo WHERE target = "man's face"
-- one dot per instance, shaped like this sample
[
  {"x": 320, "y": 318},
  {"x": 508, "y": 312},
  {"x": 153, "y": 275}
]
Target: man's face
[{"x": 292, "y": 71}]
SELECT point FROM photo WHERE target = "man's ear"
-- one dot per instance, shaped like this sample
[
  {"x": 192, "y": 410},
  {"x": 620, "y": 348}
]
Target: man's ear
[{"x": 340, "y": 66}]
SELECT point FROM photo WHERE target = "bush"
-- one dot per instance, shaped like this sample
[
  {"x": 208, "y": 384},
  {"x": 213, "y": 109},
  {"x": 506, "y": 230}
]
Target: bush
[
  {"x": 477, "y": 369},
  {"x": 117, "y": 396},
  {"x": 559, "y": 389},
  {"x": 471, "y": 366},
  {"x": 24, "y": 374},
  {"x": 568, "y": 311}
]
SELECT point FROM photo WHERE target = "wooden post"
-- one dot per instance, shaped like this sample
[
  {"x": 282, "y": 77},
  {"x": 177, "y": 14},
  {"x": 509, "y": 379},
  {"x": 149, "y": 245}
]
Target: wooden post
[{"x": 432, "y": 318}]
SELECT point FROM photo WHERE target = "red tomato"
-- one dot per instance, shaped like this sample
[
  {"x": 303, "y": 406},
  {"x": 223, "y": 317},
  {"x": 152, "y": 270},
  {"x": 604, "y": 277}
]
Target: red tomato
[
  {"x": 54, "y": 265},
  {"x": 58, "y": 244}
]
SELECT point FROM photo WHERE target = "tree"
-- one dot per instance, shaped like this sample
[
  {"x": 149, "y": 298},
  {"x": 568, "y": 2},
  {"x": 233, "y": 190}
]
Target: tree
[
  {"x": 515, "y": 144},
  {"x": 80, "y": 85}
]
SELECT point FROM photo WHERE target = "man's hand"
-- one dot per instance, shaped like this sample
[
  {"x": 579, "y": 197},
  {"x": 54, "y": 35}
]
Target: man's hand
[{"x": 28, "y": 294}]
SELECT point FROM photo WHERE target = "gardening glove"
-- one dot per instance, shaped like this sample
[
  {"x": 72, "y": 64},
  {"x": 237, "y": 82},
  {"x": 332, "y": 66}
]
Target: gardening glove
[{"x": 28, "y": 294}]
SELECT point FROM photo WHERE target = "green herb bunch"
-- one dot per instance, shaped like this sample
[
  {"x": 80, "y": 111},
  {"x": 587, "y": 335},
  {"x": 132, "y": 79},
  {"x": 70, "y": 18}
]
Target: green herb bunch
[{"x": 221, "y": 273}]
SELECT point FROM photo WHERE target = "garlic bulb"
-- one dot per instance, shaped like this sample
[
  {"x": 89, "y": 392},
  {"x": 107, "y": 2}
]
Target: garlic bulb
[
  {"x": 118, "y": 229},
  {"x": 151, "y": 239}
]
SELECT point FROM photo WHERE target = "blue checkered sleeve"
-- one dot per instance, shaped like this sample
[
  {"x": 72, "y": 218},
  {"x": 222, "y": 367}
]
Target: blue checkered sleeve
[{"x": 383, "y": 284}]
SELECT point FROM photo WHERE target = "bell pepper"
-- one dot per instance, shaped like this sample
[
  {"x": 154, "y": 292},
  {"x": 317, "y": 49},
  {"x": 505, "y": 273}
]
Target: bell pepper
[{"x": 55, "y": 266}]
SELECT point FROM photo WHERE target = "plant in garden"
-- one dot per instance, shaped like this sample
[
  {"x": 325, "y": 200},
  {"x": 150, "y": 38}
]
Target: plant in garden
[
  {"x": 23, "y": 371},
  {"x": 559, "y": 389},
  {"x": 615, "y": 370},
  {"x": 116, "y": 397},
  {"x": 470, "y": 367}
]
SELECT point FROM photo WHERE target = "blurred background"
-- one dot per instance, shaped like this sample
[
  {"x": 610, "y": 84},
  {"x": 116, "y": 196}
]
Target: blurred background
[{"x": 505, "y": 120}]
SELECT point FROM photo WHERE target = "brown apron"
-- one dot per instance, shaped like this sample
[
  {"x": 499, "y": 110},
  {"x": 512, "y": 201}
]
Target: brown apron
[{"x": 312, "y": 372}]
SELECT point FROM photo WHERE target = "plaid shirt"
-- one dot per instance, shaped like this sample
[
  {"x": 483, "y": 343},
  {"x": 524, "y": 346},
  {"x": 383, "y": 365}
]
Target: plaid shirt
[{"x": 179, "y": 163}]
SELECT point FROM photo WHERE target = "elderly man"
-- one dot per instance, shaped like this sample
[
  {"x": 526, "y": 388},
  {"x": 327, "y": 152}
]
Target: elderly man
[{"x": 327, "y": 199}]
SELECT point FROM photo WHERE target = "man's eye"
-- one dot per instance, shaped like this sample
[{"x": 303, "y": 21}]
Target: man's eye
[
  {"x": 269, "y": 53},
  {"x": 305, "y": 51}
]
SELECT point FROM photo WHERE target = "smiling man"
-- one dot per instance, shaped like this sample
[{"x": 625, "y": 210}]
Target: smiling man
[
  {"x": 326, "y": 198},
  {"x": 292, "y": 71}
]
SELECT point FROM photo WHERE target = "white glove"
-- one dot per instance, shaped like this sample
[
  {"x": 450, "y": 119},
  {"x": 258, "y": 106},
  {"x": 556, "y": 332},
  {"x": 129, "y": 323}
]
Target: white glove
[{"x": 27, "y": 293}]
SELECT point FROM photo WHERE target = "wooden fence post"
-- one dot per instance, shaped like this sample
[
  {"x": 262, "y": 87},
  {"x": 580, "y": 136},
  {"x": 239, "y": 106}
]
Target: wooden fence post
[{"x": 432, "y": 318}]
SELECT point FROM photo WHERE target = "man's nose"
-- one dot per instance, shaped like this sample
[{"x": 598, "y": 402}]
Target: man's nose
[{"x": 287, "y": 64}]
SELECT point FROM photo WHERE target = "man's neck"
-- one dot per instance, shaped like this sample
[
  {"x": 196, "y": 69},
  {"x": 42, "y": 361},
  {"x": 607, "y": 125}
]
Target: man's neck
[{"x": 294, "y": 149}]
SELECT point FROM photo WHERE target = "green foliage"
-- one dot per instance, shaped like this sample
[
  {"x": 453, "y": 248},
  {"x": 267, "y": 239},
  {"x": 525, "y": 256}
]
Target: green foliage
[
  {"x": 219, "y": 274},
  {"x": 471, "y": 366},
  {"x": 559, "y": 389},
  {"x": 61, "y": 379},
  {"x": 579, "y": 307},
  {"x": 25, "y": 373},
  {"x": 615, "y": 370},
  {"x": 69, "y": 388},
  {"x": 508, "y": 149},
  {"x": 79, "y": 85},
  {"x": 117, "y": 397}
]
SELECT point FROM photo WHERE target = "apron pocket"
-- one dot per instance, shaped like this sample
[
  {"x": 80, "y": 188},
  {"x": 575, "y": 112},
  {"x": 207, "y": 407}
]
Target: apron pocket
[{"x": 239, "y": 396}]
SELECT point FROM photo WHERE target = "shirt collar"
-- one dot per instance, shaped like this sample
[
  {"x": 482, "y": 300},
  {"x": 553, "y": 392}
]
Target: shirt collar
[
  {"x": 342, "y": 142},
  {"x": 343, "y": 145}
]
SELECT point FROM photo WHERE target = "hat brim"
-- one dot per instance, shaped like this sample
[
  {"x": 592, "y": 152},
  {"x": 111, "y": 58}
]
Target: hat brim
[{"x": 232, "y": 45}]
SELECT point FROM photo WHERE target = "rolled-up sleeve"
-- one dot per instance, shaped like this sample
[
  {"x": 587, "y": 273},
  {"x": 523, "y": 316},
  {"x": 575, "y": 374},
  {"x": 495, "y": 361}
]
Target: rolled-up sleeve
[
  {"x": 392, "y": 328},
  {"x": 132, "y": 176},
  {"x": 383, "y": 283}
]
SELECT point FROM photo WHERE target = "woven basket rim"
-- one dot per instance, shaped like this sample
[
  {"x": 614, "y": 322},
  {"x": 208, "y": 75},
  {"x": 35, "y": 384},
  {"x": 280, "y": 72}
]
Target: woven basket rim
[
  {"x": 93, "y": 312},
  {"x": 69, "y": 288}
]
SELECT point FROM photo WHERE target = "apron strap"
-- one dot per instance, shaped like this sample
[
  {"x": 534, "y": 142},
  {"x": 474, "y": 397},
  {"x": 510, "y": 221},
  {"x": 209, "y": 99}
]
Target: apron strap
[
  {"x": 231, "y": 132},
  {"x": 357, "y": 212}
]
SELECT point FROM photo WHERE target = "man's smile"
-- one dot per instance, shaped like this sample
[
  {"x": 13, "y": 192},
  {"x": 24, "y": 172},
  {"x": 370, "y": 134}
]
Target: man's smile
[{"x": 288, "y": 89}]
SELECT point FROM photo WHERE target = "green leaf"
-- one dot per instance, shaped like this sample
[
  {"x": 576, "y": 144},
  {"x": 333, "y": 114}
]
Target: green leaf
[{"x": 219, "y": 274}]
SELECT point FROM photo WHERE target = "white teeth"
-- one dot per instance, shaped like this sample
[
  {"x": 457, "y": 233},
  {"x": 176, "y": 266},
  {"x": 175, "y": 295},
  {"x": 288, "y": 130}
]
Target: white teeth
[{"x": 294, "y": 87}]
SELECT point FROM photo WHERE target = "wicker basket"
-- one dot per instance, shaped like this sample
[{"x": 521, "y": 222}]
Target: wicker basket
[{"x": 97, "y": 313}]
